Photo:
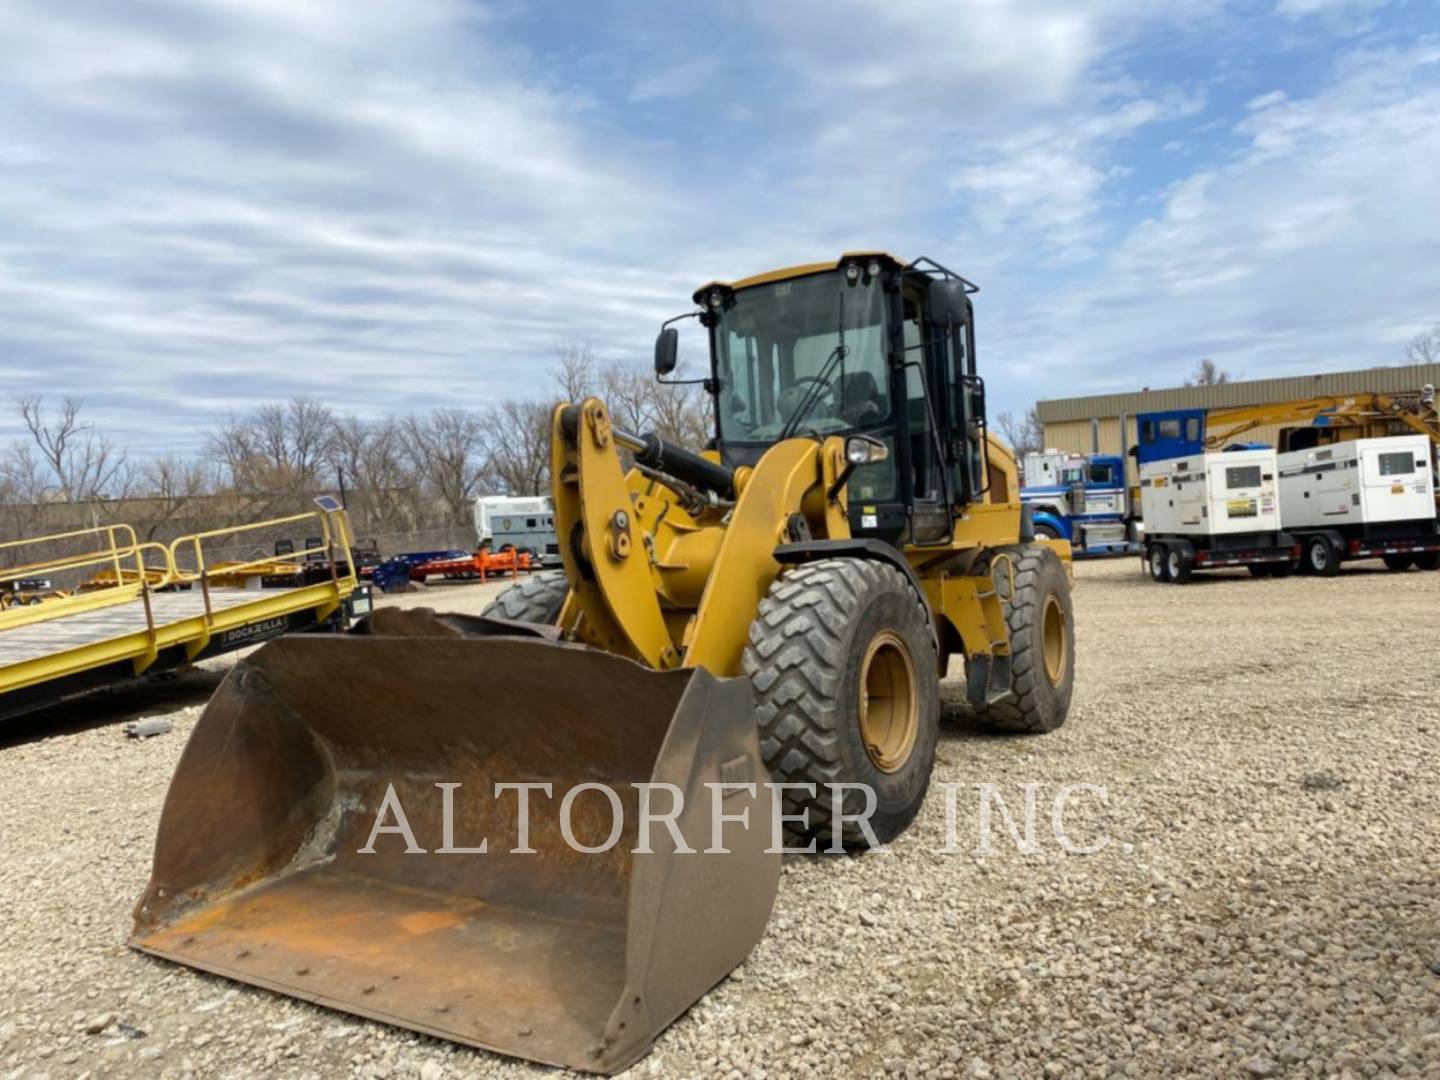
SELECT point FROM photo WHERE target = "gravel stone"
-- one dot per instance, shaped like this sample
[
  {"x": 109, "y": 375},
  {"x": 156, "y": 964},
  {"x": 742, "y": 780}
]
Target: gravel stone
[{"x": 1247, "y": 916}]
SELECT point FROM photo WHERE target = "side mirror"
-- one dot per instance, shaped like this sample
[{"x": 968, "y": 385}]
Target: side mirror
[
  {"x": 667, "y": 351},
  {"x": 948, "y": 302}
]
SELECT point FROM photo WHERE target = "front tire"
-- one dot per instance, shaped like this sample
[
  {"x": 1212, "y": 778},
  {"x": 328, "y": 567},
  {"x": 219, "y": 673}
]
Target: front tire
[
  {"x": 1046, "y": 532},
  {"x": 538, "y": 599},
  {"x": 1041, "y": 619},
  {"x": 847, "y": 690}
]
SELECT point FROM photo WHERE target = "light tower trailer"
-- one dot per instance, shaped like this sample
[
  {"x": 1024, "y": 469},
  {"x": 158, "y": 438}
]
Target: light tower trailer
[
  {"x": 1209, "y": 510},
  {"x": 1362, "y": 499}
]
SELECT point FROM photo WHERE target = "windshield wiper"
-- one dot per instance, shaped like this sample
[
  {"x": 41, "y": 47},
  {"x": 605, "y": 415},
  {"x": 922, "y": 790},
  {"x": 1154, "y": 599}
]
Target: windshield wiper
[{"x": 821, "y": 381}]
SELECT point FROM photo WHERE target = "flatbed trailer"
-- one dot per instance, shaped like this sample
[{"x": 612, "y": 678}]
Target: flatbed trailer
[
  {"x": 482, "y": 565},
  {"x": 149, "y": 608}
]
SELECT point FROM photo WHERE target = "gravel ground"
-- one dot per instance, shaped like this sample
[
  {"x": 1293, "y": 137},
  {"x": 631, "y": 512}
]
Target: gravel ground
[{"x": 1266, "y": 905}]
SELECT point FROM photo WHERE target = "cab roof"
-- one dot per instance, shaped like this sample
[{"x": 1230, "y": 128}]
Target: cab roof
[{"x": 802, "y": 270}]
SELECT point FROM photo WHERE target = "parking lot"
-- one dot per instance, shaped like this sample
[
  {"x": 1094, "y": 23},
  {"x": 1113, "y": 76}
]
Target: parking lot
[{"x": 1262, "y": 902}]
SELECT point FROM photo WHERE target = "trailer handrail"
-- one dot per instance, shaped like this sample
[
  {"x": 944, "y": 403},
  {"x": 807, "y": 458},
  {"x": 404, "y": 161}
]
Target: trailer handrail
[
  {"x": 117, "y": 555},
  {"x": 334, "y": 545}
]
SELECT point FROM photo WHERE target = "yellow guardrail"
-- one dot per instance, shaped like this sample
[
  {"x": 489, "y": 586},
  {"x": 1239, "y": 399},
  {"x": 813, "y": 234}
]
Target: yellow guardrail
[
  {"x": 125, "y": 570},
  {"x": 334, "y": 546},
  {"x": 118, "y": 564}
]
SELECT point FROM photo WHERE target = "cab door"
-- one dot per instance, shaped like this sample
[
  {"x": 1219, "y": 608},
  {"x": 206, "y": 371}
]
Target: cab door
[{"x": 925, "y": 383}]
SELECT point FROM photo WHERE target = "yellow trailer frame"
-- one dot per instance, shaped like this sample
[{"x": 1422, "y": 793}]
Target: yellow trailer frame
[{"x": 147, "y": 607}]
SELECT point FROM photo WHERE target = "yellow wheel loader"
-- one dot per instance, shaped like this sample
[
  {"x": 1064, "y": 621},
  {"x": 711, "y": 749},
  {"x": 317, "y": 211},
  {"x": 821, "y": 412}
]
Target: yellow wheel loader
[{"x": 446, "y": 822}]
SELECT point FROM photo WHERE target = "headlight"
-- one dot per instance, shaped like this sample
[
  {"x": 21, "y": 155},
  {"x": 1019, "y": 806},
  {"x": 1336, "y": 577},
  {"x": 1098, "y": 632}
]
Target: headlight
[
  {"x": 863, "y": 450},
  {"x": 852, "y": 273},
  {"x": 873, "y": 269},
  {"x": 716, "y": 300}
]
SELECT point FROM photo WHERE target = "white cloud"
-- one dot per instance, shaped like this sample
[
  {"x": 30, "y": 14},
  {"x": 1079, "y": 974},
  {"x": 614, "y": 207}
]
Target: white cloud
[
  {"x": 1314, "y": 249},
  {"x": 399, "y": 204},
  {"x": 1265, "y": 101},
  {"x": 1299, "y": 9},
  {"x": 246, "y": 200},
  {"x": 679, "y": 81}
]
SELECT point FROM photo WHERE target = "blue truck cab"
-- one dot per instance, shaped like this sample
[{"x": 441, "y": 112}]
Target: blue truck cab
[
  {"x": 1081, "y": 498},
  {"x": 1174, "y": 433}
]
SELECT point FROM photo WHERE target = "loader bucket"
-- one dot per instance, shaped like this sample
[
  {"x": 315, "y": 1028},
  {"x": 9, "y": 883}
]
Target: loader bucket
[{"x": 560, "y": 956}]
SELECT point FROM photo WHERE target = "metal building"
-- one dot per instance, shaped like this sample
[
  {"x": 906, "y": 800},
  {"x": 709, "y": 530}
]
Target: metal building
[{"x": 1094, "y": 424}]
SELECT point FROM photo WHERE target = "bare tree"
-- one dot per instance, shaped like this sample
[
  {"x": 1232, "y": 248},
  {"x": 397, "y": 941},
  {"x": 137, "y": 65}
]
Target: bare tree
[
  {"x": 518, "y": 440},
  {"x": 1024, "y": 433},
  {"x": 629, "y": 392},
  {"x": 574, "y": 371},
  {"x": 380, "y": 474},
  {"x": 276, "y": 455},
  {"x": 1208, "y": 374},
  {"x": 1424, "y": 348},
  {"x": 22, "y": 491},
  {"x": 82, "y": 463},
  {"x": 682, "y": 413},
  {"x": 447, "y": 452},
  {"x": 172, "y": 489}
]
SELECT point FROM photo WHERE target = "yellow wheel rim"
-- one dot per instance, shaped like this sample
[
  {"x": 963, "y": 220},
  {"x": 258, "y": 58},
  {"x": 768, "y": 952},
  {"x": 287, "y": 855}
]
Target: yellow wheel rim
[
  {"x": 1057, "y": 648},
  {"x": 889, "y": 703}
]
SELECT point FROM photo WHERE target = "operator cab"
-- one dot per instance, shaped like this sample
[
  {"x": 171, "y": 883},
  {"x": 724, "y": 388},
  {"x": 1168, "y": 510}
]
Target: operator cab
[{"x": 865, "y": 346}]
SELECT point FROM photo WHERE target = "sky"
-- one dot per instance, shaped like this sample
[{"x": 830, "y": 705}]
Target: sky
[{"x": 403, "y": 204}]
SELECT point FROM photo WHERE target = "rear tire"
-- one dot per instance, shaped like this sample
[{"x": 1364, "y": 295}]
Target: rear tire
[
  {"x": 1041, "y": 619},
  {"x": 1262, "y": 569},
  {"x": 538, "y": 599},
  {"x": 1398, "y": 562},
  {"x": 1155, "y": 558},
  {"x": 1321, "y": 558},
  {"x": 847, "y": 690},
  {"x": 1428, "y": 560},
  {"x": 1177, "y": 567}
]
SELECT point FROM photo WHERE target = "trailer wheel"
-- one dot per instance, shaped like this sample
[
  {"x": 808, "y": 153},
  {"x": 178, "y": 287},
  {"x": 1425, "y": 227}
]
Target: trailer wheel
[
  {"x": 538, "y": 599},
  {"x": 1261, "y": 569},
  {"x": 1041, "y": 619},
  {"x": 1177, "y": 567},
  {"x": 1321, "y": 557},
  {"x": 847, "y": 690},
  {"x": 1428, "y": 560},
  {"x": 1159, "y": 565},
  {"x": 1398, "y": 562}
]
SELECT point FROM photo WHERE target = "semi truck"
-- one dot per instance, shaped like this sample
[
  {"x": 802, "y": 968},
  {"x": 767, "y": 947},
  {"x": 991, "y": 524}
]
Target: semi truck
[
  {"x": 1081, "y": 498},
  {"x": 1362, "y": 499}
]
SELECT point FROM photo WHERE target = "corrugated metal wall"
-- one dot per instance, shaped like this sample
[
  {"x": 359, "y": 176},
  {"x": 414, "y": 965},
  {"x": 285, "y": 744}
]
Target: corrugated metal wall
[
  {"x": 1389, "y": 380},
  {"x": 1074, "y": 423}
]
